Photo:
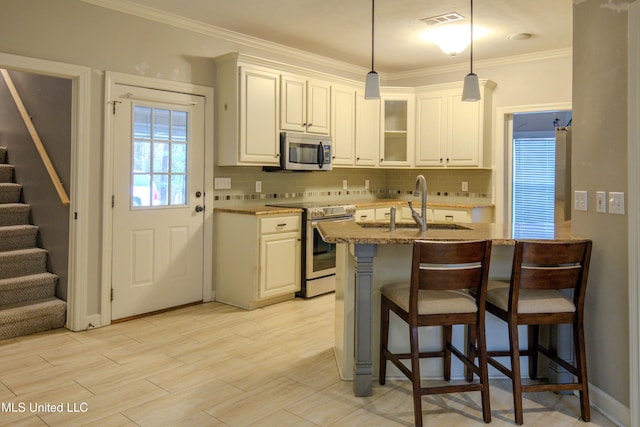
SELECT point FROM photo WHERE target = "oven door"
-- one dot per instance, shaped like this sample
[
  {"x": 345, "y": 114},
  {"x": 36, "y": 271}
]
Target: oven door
[{"x": 320, "y": 256}]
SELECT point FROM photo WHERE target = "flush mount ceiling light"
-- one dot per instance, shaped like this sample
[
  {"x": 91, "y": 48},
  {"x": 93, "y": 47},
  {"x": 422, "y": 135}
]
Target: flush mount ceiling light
[
  {"x": 471, "y": 88},
  {"x": 451, "y": 39},
  {"x": 372, "y": 83}
]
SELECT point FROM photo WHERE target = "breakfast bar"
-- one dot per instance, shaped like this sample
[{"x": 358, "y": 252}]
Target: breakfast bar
[{"x": 371, "y": 255}]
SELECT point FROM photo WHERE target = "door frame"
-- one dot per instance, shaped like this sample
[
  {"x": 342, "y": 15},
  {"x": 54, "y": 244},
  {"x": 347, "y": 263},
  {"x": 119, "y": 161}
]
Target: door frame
[
  {"x": 79, "y": 233},
  {"x": 502, "y": 151},
  {"x": 111, "y": 79},
  {"x": 633, "y": 192}
]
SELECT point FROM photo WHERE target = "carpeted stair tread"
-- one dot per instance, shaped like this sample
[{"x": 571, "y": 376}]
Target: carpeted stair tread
[
  {"x": 6, "y": 173},
  {"x": 3, "y": 154},
  {"x": 14, "y": 214},
  {"x": 10, "y": 192},
  {"x": 28, "y": 288},
  {"x": 34, "y": 316},
  {"x": 13, "y": 237},
  {"x": 22, "y": 262}
]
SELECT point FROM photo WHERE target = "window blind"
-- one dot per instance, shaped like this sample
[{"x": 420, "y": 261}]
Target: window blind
[{"x": 534, "y": 166}]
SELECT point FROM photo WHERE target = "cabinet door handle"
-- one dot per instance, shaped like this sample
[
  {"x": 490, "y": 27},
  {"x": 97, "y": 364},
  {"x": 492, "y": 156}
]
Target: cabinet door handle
[
  {"x": 309, "y": 125},
  {"x": 282, "y": 225}
]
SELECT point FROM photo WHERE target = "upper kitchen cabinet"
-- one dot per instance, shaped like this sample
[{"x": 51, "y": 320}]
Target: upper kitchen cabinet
[
  {"x": 305, "y": 105},
  {"x": 367, "y": 130},
  {"x": 397, "y": 128},
  {"x": 452, "y": 133},
  {"x": 248, "y": 112},
  {"x": 343, "y": 124}
]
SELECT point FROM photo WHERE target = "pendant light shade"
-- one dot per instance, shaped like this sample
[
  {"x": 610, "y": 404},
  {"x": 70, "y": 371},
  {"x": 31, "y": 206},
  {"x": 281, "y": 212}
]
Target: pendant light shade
[
  {"x": 471, "y": 88},
  {"x": 372, "y": 83},
  {"x": 372, "y": 86}
]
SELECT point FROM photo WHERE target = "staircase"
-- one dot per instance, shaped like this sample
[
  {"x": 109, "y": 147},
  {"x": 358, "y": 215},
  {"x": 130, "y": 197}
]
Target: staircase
[{"x": 27, "y": 291}]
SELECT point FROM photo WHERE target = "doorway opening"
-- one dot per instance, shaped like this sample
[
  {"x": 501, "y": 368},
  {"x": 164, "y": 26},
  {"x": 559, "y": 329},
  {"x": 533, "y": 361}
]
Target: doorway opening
[{"x": 540, "y": 167}]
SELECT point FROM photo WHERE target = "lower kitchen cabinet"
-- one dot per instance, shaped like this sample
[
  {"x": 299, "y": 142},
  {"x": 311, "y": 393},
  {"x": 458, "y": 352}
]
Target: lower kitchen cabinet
[{"x": 257, "y": 258}]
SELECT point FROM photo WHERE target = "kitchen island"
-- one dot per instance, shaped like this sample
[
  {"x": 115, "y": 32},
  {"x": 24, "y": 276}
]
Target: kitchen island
[{"x": 359, "y": 279}]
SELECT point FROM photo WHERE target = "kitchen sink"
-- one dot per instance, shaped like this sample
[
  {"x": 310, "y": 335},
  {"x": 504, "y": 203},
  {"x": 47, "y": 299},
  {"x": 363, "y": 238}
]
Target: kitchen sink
[{"x": 430, "y": 226}]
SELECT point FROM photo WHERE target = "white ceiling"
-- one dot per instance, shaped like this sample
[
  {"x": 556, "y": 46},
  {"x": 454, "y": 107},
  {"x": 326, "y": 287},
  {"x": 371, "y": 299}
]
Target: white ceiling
[{"x": 341, "y": 29}]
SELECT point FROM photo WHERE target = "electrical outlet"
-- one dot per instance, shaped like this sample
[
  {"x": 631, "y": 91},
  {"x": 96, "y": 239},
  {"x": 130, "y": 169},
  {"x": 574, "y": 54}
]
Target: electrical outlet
[
  {"x": 222, "y": 183},
  {"x": 601, "y": 202},
  {"x": 616, "y": 203},
  {"x": 344, "y": 184},
  {"x": 366, "y": 184},
  {"x": 465, "y": 186},
  {"x": 580, "y": 201},
  {"x": 258, "y": 186}
]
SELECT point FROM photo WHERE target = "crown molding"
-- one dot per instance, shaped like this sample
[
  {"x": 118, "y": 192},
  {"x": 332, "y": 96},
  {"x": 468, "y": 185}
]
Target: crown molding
[
  {"x": 486, "y": 63},
  {"x": 173, "y": 20},
  {"x": 167, "y": 18}
]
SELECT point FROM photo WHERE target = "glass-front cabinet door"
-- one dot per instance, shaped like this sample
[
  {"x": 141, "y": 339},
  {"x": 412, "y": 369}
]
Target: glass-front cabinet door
[{"x": 397, "y": 129}]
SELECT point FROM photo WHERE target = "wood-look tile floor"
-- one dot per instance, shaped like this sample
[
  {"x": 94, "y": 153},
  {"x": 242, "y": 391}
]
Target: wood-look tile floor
[{"x": 215, "y": 365}]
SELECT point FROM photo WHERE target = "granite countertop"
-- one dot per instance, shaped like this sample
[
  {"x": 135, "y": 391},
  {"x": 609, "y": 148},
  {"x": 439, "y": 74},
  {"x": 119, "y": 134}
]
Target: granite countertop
[
  {"x": 261, "y": 209},
  {"x": 257, "y": 210},
  {"x": 500, "y": 234},
  {"x": 378, "y": 203}
]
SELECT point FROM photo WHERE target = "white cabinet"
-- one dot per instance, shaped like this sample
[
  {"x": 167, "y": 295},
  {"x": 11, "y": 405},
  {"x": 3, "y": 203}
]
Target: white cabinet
[
  {"x": 305, "y": 105},
  {"x": 367, "y": 130},
  {"x": 365, "y": 215},
  {"x": 343, "y": 124},
  {"x": 257, "y": 258},
  {"x": 397, "y": 129},
  {"x": 248, "y": 113},
  {"x": 476, "y": 214},
  {"x": 452, "y": 133}
]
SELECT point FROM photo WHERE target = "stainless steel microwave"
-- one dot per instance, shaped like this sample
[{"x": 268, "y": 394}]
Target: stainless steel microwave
[{"x": 305, "y": 152}]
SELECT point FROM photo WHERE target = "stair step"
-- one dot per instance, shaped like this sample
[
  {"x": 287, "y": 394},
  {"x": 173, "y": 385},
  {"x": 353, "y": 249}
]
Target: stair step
[
  {"x": 6, "y": 173},
  {"x": 28, "y": 288},
  {"x": 3, "y": 154},
  {"x": 22, "y": 262},
  {"x": 10, "y": 192},
  {"x": 31, "y": 317},
  {"x": 14, "y": 214},
  {"x": 14, "y": 237}
]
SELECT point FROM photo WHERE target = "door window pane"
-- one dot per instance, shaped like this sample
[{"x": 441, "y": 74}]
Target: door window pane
[{"x": 160, "y": 152}]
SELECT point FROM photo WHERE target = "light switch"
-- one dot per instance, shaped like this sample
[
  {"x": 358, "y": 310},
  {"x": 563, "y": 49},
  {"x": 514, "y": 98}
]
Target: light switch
[
  {"x": 366, "y": 184},
  {"x": 222, "y": 183},
  {"x": 616, "y": 203},
  {"x": 344, "y": 184},
  {"x": 580, "y": 201},
  {"x": 601, "y": 202},
  {"x": 465, "y": 185},
  {"x": 258, "y": 186}
]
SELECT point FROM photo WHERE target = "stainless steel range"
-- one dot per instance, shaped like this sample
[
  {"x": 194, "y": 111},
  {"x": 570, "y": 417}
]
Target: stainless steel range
[{"x": 318, "y": 257}]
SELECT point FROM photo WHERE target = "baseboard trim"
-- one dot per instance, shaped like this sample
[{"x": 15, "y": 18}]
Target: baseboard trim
[{"x": 607, "y": 406}]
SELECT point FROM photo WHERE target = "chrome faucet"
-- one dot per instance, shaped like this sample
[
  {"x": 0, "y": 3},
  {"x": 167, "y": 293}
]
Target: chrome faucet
[{"x": 421, "y": 188}]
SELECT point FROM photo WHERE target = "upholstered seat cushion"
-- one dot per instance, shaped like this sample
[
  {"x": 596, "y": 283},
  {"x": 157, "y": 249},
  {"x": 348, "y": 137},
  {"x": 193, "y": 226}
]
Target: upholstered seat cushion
[
  {"x": 529, "y": 300},
  {"x": 431, "y": 302}
]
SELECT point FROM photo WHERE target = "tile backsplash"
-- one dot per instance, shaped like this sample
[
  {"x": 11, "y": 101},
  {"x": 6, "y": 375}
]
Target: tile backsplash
[{"x": 442, "y": 185}]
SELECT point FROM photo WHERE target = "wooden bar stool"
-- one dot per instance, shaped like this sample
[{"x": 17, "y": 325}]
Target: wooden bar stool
[
  {"x": 533, "y": 297},
  {"x": 442, "y": 274}
]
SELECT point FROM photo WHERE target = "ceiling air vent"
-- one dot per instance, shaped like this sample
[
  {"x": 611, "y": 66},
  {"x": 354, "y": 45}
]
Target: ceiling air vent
[{"x": 443, "y": 19}]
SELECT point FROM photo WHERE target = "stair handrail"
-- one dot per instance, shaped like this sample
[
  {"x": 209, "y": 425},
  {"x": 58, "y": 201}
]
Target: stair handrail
[{"x": 55, "y": 179}]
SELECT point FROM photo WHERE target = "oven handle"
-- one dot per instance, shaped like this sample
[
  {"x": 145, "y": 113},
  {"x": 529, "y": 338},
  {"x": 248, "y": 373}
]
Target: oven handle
[{"x": 341, "y": 219}]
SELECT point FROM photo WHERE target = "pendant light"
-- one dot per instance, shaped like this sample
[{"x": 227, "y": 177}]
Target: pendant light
[
  {"x": 372, "y": 83},
  {"x": 471, "y": 88}
]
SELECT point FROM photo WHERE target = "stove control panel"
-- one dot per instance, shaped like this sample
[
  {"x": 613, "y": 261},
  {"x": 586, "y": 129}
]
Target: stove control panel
[{"x": 331, "y": 211}]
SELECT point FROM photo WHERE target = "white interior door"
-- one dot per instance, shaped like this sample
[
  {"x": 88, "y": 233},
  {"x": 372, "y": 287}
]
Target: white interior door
[{"x": 157, "y": 259}]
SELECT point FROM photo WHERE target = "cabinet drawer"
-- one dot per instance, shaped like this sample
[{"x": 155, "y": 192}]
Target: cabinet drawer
[
  {"x": 450, "y": 215},
  {"x": 365, "y": 215},
  {"x": 279, "y": 224}
]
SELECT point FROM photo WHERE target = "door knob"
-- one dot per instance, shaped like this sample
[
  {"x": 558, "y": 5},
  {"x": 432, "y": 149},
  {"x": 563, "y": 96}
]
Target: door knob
[
  {"x": 198, "y": 193},
  {"x": 199, "y": 208}
]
